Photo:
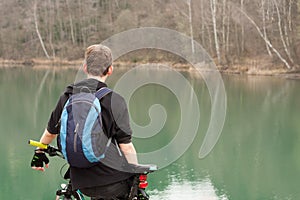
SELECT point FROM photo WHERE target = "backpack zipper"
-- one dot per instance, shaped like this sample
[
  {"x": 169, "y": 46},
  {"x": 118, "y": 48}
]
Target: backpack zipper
[{"x": 75, "y": 137}]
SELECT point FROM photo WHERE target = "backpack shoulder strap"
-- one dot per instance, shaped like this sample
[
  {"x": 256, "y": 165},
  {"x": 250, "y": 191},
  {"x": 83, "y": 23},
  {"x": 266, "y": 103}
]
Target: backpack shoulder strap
[{"x": 102, "y": 92}]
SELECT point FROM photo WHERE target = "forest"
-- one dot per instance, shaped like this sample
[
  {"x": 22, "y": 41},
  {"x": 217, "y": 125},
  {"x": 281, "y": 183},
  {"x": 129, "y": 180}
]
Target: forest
[{"x": 263, "y": 33}]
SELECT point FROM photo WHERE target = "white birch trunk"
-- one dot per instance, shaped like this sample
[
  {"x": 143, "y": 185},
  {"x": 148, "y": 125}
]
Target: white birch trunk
[
  {"x": 189, "y": 2},
  {"x": 243, "y": 30},
  {"x": 264, "y": 27},
  {"x": 214, "y": 20},
  {"x": 290, "y": 15},
  {"x": 281, "y": 33},
  {"x": 266, "y": 40},
  {"x": 223, "y": 27},
  {"x": 37, "y": 30},
  {"x": 228, "y": 33},
  {"x": 51, "y": 16},
  {"x": 202, "y": 22}
]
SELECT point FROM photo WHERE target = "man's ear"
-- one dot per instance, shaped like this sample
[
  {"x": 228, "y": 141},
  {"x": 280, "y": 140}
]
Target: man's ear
[
  {"x": 85, "y": 68},
  {"x": 110, "y": 70}
]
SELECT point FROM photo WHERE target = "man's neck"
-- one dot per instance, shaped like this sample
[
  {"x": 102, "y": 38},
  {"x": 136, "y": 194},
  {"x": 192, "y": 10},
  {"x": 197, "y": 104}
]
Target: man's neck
[{"x": 99, "y": 78}]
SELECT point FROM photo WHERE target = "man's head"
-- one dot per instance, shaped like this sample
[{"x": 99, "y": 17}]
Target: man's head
[{"x": 98, "y": 59}]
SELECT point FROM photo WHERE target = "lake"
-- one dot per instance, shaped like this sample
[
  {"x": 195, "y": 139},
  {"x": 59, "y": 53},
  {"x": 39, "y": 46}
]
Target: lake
[{"x": 255, "y": 157}]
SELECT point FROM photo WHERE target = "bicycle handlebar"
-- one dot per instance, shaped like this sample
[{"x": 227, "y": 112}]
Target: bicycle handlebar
[
  {"x": 137, "y": 190},
  {"x": 52, "y": 151}
]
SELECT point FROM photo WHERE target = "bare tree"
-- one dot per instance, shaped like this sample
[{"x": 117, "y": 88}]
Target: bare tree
[
  {"x": 202, "y": 22},
  {"x": 266, "y": 40},
  {"x": 290, "y": 15},
  {"x": 60, "y": 19},
  {"x": 264, "y": 26},
  {"x": 224, "y": 16},
  {"x": 189, "y": 16},
  {"x": 189, "y": 2},
  {"x": 281, "y": 32},
  {"x": 71, "y": 22},
  {"x": 37, "y": 29},
  {"x": 228, "y": 32},
  {"x": 50, "y": 28},
  {"x": 213, "y": 7},
  {"x": 243, "y": 30}
]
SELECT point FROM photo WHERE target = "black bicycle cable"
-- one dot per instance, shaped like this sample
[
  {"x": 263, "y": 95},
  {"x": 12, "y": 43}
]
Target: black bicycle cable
[{"x": 61, "y": 170}]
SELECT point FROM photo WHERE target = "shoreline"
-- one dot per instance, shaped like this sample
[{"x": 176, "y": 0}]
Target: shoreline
[{"x": 235, "y": 69}]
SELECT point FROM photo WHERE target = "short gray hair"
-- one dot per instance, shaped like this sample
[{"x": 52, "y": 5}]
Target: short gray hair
[{"x": 98, "y": 58}]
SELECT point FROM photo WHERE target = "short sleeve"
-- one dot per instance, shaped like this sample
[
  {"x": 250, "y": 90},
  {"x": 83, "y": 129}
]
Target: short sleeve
[
  {"x": 119, "y": 109},
  {"x": 53, "y": 123}
]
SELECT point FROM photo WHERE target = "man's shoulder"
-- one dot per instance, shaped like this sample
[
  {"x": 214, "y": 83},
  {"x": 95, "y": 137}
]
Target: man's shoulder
[
  {"x": 115, "y": 98},
  {"x": 115, "y": 94}
]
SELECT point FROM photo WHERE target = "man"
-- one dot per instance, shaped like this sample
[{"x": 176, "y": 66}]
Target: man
[{"x": 99, "y": 181}]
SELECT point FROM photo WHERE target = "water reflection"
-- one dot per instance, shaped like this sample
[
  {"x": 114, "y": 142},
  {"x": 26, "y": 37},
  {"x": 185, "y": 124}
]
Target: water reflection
[
  {"x": 257, "y": 156},
  {"x": 202, "y": 189}
]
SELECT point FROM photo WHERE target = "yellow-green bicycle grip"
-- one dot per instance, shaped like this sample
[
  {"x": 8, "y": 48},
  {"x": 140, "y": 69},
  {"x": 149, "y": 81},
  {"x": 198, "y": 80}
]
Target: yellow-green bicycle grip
[{"x": 38, "y": 144}]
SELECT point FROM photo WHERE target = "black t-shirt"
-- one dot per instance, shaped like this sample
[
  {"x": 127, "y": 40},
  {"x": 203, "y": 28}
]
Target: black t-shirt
[{"x": 115, "y": 121}]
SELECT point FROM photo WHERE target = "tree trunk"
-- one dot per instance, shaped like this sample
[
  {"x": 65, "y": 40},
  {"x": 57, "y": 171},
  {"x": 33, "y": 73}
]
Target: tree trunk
[
  {"x": 243, "y": 31},
  {"x": 213, "y": 7},
  {"x": 298, "y": 19},
  {"x": 228, "y": 32},
  {"x": 297, "y": 32},
  {"x": 266, "y": 40},
  {"x": 211, "y": 48},
  {"x": 237, "y": 41},
  {"x": 202, "y": 22},
  {"x": 71, "y": 23},
  {"x": 110, "y": 10},
  {"x": 290, "y": 15},
  {"x": 81, "y": 23},
  {"x": 189, "y": 2},
  {"x": 224, "y": 16},
  {"x": 264, "y": 27},
  {"x": 51, "y": 24},
  {"x": 281, "y": 33},
  {"x": 37, "y": 29},
  {"x": 59, "y": 18}
]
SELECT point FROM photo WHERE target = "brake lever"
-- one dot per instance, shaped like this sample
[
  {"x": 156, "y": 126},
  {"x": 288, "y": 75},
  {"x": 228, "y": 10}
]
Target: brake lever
[{"x": 52, "y": 151}]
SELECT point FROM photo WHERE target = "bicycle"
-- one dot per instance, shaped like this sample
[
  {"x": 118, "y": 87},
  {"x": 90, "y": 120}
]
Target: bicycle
[{"x": 137, "y": 191}]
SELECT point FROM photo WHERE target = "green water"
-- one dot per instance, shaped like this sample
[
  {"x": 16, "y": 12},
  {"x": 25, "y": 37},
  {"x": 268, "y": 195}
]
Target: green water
[{"x": 256, "y": 157}]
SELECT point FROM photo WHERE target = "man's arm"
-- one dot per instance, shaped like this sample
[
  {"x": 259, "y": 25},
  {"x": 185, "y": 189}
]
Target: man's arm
[
  {"x": 129, "y": 152},
  {"x": 47, "y": 137}
]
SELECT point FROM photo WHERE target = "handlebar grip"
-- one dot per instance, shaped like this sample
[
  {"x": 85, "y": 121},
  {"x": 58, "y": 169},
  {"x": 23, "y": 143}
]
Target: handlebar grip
[{"x": 38, "y": 144}]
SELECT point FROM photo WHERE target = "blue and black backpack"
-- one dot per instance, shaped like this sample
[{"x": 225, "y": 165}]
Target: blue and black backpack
[{"x": 82, "y": 139}]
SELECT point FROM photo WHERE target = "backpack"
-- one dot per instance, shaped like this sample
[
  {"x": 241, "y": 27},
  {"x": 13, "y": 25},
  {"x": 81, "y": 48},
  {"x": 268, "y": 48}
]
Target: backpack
[{"x": 82, "y": 139}]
